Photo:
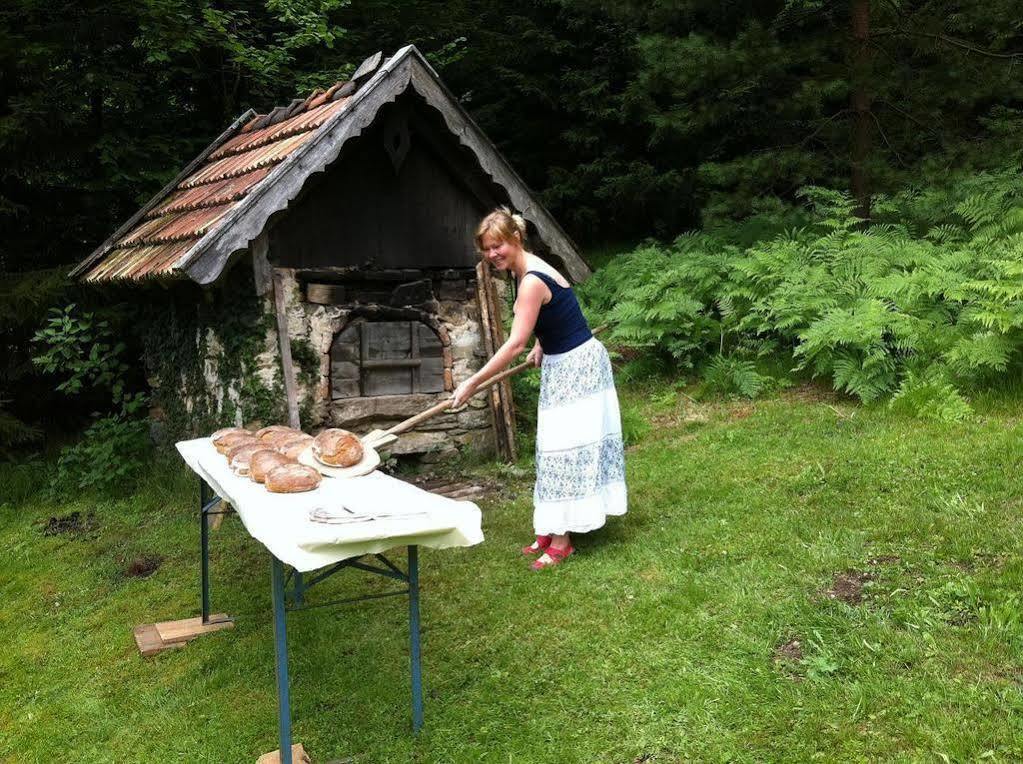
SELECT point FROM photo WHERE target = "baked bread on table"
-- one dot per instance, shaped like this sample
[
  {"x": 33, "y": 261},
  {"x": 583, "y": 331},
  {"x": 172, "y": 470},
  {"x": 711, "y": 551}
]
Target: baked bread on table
[
  {"x": 215, "y": 437},
  {"x": 275, "y": 431},
  {"x": 337, "y": 448},
  {"x": 240, "y": 457},
  {"x": 232, "y": 439},
  {"x": 291, "y": 478},
  {"x": 294, "y": 445},
  {"x": 265, "y": 460}
]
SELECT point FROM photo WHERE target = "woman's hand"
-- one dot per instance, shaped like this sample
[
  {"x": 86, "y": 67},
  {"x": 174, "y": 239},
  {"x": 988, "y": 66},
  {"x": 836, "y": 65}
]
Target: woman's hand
[
  {"x": 463, "y": 392},
  {"x": 535, "y": 355}
]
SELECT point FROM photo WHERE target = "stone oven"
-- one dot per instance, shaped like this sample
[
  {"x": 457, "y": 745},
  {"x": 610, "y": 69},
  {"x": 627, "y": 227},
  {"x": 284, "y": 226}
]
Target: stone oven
[
  {"x": 353, "y": 209},
  {"x": 391, "y": 343}
]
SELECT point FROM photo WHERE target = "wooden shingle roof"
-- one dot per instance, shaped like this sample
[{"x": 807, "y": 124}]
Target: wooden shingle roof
[
  {"x": 222, "y": 200},
  {"x": 158, "y": 240}
]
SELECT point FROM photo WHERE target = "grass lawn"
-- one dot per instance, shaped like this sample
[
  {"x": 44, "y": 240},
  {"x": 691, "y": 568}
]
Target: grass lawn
[{"x": 797, "y": 579}]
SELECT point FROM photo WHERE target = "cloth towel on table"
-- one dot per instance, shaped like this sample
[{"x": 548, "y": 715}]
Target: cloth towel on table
[
  {"x": 342, "y": 515},
  {"x": 402, "y": 514}
]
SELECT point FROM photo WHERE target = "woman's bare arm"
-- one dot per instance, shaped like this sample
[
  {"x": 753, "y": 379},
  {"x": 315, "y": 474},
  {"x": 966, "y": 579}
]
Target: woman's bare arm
[{"x": 532, "y": 293}]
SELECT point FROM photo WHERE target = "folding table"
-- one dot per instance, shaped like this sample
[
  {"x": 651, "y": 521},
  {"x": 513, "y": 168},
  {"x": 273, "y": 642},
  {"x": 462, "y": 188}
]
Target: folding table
[{"x": 401, "y": 515}]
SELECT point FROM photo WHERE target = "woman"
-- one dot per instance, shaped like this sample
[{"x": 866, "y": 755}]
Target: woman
[{"x": 580, "y": 465}]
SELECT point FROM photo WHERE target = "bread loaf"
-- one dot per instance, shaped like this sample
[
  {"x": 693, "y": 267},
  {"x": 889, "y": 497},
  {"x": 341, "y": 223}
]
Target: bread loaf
[
  {"x": 265, "y": 460},
  {"x": 294, "y": 445},
  {"x": 240, "y": 457},
  {"x": 230, "y": 440},
  {"x": 338, "y": 448},
  {"x": 291, "y": 478},
  {"x": 215, "y": 437},
  {"x": 276, "y": 438},
  {"x": 272, "y": 431}
]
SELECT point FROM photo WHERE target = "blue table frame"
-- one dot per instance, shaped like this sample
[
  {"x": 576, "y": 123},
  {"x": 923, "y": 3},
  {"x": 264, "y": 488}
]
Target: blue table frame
[{"x": 291, "y": 587}]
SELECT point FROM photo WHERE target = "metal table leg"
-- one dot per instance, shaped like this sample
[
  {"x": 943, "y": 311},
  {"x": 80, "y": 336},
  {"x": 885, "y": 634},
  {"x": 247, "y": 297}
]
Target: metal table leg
[
  {"x": 205, "y": 498},
  {"x": 281, "y": 653},
  {"x": 413, "y": 623}
]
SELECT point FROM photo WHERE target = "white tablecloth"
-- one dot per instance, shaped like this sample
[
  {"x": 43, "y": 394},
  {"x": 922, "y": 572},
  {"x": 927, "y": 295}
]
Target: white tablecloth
[{"x": 280, "y": 521}]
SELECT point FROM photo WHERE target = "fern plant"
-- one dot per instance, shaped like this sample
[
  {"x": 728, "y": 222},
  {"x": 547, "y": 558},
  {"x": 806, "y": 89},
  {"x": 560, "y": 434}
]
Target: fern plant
[
  {"x": 922, "y": 305},
  {"x": 729, "y": 376}
]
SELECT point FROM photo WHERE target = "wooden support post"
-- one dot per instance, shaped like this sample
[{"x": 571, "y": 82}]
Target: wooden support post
[
  {"x": 506, "y": 399},
  {"x": 493, "y": 337},
  {"x": 261, "y": 271},
  {"x": 493, "y": 396},
  {"x": 283, "y": 338}
]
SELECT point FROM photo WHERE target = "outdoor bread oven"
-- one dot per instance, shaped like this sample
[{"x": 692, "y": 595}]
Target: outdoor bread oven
[{"x": 353, "y": 212}]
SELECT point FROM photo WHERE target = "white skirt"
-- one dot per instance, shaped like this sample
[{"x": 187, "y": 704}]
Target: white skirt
[{"x": 580, "y": 459}]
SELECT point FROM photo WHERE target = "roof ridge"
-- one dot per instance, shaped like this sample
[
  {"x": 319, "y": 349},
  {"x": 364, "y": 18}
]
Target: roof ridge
[
  {"x": 298, "y": 106},
  {"x": 301, "y": 122}
]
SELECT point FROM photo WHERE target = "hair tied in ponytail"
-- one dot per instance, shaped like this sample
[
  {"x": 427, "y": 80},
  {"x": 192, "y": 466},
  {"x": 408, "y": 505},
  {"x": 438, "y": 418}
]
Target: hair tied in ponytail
[{"x": 502, "y": 223}]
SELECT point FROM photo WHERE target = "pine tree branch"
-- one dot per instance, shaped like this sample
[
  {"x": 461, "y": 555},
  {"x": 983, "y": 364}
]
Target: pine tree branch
[
  {"x": 888, "y": 143},
  {"x": 915, "y": 120},
  {"x": 964, "y": 44}
]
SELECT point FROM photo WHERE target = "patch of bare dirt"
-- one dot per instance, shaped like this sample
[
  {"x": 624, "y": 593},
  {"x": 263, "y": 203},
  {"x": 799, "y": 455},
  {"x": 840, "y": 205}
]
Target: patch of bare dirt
[
  {"x": 144, "y": 566},
  {"x": 979, "y": 560},
  {"x": 74, "y": 524},
  {"x": 789, "y": 651},
  {"x": 684, "y": 414},
  {"x": 848, "y": 586},
  {"x": 741, "y": 411},
  {"x": 810, "y": 392}
]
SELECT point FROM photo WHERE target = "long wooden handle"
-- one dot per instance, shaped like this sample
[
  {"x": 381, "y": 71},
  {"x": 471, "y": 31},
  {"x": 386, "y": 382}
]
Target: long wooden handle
[{"x": 445, "y": 405}]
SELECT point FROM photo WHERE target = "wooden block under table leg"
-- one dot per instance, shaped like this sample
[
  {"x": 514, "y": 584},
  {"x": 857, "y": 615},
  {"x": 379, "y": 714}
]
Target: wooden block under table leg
[
  {"x": 190, "y": 628},
  {"x": 298, "y": 756},
  {"x": 149, "y": 643},
  {"x": 153, "y": 638}
]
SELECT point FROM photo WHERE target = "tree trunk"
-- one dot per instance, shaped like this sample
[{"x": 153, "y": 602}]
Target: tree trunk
[{"x": 860, "y": 80}]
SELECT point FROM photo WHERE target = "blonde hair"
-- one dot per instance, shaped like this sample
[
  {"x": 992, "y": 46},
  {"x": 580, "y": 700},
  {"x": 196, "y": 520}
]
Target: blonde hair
[{"x": 502, "y": 223}]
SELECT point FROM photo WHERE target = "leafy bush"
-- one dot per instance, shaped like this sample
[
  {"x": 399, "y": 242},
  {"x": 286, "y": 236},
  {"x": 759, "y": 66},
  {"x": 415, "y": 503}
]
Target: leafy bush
[
  {"x": 110, "y": 454},
  {"x": 83, "y": 350},
  {"x": 925, "y": 303}
]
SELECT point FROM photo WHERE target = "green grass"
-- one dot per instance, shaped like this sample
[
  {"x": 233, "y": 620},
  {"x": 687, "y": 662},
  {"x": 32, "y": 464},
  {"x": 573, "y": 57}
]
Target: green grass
[{"x": 658, "y": 640}]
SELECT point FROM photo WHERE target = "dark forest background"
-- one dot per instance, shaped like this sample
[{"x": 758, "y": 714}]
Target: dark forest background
[{"x": 633, "y": 120}]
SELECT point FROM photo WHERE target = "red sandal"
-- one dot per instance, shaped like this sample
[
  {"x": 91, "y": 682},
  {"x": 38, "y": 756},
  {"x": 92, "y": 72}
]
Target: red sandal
[
  {"x": 537, "y": 547},
  {"x": 554, "y": 556}
]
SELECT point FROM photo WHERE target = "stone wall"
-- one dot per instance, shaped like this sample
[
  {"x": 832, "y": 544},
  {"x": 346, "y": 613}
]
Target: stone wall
[{"x": 444, "y": 300}]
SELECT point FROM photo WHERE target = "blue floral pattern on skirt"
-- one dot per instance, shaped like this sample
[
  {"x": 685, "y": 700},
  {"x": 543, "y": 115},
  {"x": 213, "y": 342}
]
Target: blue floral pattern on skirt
[
  {"x": 566, "y": 377},
  {"x": 578, "y": 472}
]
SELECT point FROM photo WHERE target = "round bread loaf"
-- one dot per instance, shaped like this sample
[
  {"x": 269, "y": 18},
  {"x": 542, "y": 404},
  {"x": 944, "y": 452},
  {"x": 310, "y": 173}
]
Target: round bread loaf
[
  {"x": 229, "y": 441},
  {"x": 291, "y": 478},
  {"x": 338, "y": 448},
  {"x": 294, "y": 445},
  {"x": 240, "y": 457},
  {"x": 275, "y": 439},
  {"x": 215, "y": 437},
  {"x": 265, "y": 460},
  {"x": 271, "y": 431}
]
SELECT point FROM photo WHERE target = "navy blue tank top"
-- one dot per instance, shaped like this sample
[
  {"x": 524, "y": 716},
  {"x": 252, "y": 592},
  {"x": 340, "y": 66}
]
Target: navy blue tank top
[{"x": 560, "y": 325}]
